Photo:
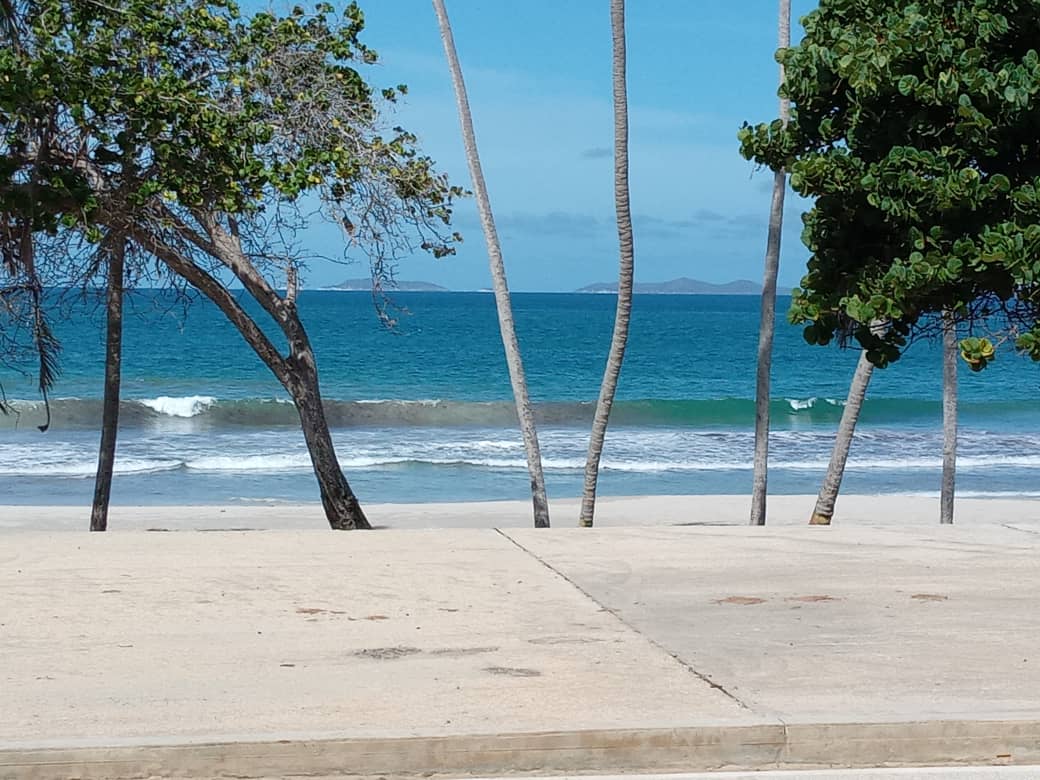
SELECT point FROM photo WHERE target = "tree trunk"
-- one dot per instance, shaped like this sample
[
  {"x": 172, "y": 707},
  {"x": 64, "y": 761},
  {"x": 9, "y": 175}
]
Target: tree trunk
[
  {"x": 824, "y": 510},
  {"x": 767, "y": 323},
  {"x": 498, "y": 277},
  {"x": 949, "y": 467},
  {"x": 113, "y": 376},
  {"x": 626, "y": 263},
  {"x": 341, "y": 505},
  {"x": 298, "y": 373}
]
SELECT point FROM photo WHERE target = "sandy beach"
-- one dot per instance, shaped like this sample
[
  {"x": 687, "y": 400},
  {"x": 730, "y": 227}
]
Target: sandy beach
[{"x": 854, "y": 510}]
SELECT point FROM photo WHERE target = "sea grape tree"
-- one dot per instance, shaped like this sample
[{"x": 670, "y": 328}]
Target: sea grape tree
[
  {"x": 915, "y": 131},
  {"x": 206, "y": 139}
]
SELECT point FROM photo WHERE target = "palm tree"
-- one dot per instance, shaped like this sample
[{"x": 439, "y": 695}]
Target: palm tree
[
  {"x": 949, "y": 467},
  {"x": 115, "y": 251},
  {"x": 824, "y": 510},
  {"x": 498, "y": 277},
  {"x": 767, "y": 323},
  {"x": 626, "y": 264}
]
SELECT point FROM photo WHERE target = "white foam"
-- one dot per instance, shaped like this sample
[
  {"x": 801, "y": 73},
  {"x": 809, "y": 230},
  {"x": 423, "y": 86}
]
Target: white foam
[
  {"x": 492, "y": 445},
  {"x": 797, "y": 404},
  {"x": 391, "y": 401},
  {"x": 179, "y": 406},
  {"x": 89, "y": 468},
  {"x": 243, "y": 463}
]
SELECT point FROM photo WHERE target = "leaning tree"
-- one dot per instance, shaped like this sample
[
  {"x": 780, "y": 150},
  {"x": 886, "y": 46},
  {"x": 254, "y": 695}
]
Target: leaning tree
[
  {"x": 206, "y": 139},
  {"x": 503, "y": 303},
  {"x": 915, "y": 130}
]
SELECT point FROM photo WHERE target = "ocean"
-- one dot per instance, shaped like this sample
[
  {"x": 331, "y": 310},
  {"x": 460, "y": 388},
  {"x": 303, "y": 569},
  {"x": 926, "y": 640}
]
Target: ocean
[{"x": 423, "y": 412}]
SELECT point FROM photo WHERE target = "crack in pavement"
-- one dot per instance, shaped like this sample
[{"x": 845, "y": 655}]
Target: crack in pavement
[
  {"x": 682, "y": 662},
  {"x": 1022, "y": 530}
]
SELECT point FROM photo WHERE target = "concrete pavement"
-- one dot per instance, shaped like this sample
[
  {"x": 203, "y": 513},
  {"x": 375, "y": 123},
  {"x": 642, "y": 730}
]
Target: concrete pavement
[
  {"x": 934, "y": 773},
  {"x": 278, "y": 653},
  {"x": 829, "y": 625}
]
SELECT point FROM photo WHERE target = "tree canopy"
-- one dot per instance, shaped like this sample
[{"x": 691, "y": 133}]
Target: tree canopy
[
  {"x": 916, "y": 133},
  {"x": 214, "y": 109},
  {"x": 164, "y": 118}
]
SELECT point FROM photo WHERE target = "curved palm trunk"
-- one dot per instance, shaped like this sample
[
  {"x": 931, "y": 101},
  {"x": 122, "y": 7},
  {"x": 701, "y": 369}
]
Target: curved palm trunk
[
  {"x": 767, "y": 323},
  {"x": 824, "y": 510},
  {"x": 626, "y": 263},
  {"x": 949, "y": 468},
  {"x": 113, "y": 377},
  {"x": 498, "y": 277}
]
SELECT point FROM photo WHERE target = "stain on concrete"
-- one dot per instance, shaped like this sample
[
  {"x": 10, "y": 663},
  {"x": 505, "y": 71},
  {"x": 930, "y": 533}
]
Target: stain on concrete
[
  {"x": 387, "y": 653},
  {"x": 564, "y": 640},
  {"x": 512, "y": 671},
  {"x": 458, "y": 652}
]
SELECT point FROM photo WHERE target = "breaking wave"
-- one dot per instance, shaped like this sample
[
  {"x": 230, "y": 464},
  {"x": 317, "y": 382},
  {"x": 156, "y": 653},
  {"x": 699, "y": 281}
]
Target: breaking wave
[
  {"x": 189, "y": 406},
  {"x": 207, "y": 412}
]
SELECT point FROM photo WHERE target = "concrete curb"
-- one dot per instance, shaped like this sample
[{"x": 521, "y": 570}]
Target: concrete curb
[{"x": 933, "y": 743}]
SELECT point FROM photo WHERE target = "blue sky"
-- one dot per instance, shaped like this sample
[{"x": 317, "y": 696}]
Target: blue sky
[{"x": 538, "y": 74}]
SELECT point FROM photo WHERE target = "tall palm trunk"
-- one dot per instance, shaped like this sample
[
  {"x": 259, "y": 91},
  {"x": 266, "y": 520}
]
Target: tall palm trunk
[
  {"x": 824, "y": 510},
  {"x": 767, "y": 323},
  {"x": 498, "y": 277},
  {"x": 113, "y": 376},
  {"x": 626, "y": 263},
  {"x": 949, "y": 467}
]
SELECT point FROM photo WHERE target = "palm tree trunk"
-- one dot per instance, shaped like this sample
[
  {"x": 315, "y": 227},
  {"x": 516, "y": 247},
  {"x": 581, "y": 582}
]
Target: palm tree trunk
[
  {"x": 767, "y": 323},
  {"x": 113, "y": 377},
  {"x": 949, "y": 468},
  {"x": 498, "y": 277},
  {"x": 626, "y": 264},
  {"x": 824, "y": 510}
]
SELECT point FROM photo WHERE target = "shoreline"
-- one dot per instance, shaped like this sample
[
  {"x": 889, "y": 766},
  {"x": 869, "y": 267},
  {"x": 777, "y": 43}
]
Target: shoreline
[{"x": 659, "y": 510}]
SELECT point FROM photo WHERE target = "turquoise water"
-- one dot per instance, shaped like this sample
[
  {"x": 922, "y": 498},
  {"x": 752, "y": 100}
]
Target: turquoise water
[{"x": 423, "y": 412}]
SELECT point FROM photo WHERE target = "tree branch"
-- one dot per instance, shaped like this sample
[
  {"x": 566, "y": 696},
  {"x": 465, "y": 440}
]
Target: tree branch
[
  {"x": 228, "y": 250},
  {"x": 216, "y": 292},
  {"x": 292, "y": 284}
]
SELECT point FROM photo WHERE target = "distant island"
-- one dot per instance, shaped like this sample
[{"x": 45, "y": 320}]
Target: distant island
[
  {"x": 686, "y": 286},
  {"x": 365, "y": 285},
  {"x": 681, "y": 286}
]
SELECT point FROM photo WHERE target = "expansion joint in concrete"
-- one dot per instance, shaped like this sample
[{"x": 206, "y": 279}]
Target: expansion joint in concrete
[
  {"x": 1030, "y": 531},
  {"x": 657, "y": 645}
]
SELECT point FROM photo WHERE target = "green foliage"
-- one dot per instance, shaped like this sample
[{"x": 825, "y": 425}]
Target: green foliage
[
  {"x": 977, "y": 352},
  {"x": 192, "y": 105},
  {"x": 916, "y": 132}
]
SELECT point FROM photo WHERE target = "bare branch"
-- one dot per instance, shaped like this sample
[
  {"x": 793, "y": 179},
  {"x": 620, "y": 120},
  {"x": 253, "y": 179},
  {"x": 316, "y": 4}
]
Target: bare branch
[{"x": 219, "y": 294}]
